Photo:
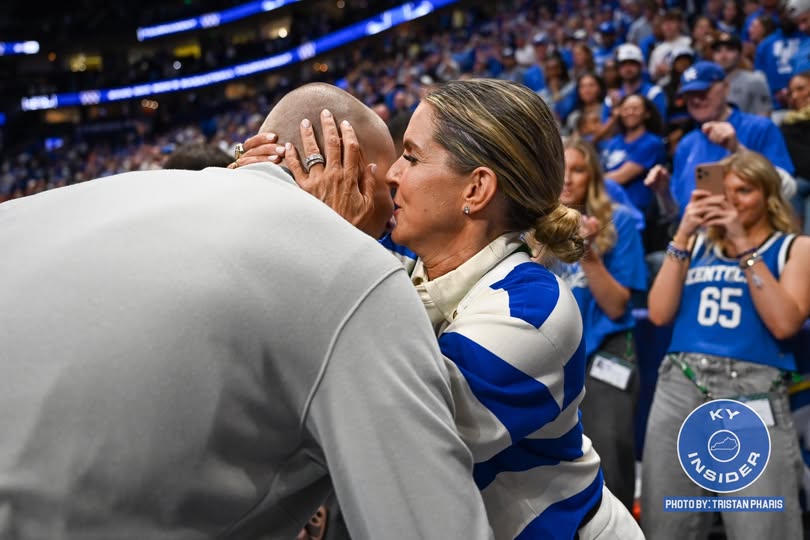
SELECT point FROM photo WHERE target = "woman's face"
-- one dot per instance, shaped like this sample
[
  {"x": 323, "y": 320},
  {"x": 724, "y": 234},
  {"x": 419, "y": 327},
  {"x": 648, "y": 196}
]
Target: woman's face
[
  {"x": 588, "y": 90},
  {"x": 632, "y": 113},
  {"x": 610, "y": 73},
  {"x": 730, "y": 12},
  {"x": 799, "y": 91},
  {"x": 580, "y": 56},
  {"x": 553, "y": 69},
  {"x": 702, "y": 28},
  {"x": 428, "y": 198},
  {"x": 748, "y": 200},
  {"x": 575, "y": 186},
  {"x": 756, "y": 31}
]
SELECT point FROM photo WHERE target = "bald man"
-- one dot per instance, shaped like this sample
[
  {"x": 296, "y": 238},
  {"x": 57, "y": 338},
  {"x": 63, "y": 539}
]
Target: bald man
[
  {"x": 177, "y": 361},
  {"x": 376, "y": 147}
]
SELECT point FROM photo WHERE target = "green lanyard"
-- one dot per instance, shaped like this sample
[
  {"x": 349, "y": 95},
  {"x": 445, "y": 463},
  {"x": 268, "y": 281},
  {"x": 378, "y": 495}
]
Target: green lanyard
[{"x": 689, "y": 373}]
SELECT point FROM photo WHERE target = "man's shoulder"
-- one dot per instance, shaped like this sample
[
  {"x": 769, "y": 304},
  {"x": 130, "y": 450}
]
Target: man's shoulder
[{"x": 747, "y": 121}]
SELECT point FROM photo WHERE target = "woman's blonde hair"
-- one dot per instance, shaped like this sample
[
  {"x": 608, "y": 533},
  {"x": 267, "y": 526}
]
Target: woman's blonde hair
[
  {"x": 597, "y": 202},
  {"x": 508, "y": 128},
  {"x": 754, "y": 169}
]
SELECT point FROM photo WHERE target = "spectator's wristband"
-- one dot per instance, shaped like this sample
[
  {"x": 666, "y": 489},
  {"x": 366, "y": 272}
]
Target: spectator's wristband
[{"x": 679, "y": 255}]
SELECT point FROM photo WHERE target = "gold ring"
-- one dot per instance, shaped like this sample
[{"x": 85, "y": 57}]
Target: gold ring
[{"x": 238, "y": 150}]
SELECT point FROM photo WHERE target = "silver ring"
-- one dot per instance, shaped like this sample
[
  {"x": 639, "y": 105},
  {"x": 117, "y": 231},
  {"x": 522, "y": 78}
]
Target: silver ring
[
  {"x": 238, "y": 150},
  {"x": 312, "y": 159}
]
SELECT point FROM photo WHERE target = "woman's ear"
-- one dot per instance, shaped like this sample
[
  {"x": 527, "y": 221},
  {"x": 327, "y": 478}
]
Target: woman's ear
[{"x": 481, "y": 189}]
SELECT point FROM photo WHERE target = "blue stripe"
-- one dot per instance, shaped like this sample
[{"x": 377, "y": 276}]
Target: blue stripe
[
  {"x": 389, "y": 244},
  {"x": 561, "y": 520},
  {"x": 520, "y": 402},
  {"x": 529, "y": 454},
  {"x": 533, "y": 293},
  {"x": 574, "y": 374}
]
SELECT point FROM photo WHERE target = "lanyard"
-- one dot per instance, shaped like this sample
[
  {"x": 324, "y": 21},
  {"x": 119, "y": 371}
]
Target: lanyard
[{"x": 689, "y": 373}]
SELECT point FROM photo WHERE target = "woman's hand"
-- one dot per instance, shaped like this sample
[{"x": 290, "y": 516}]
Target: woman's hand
[
  {"x": 260, "y": 149},
  {"x": 658, "y": 179},
  {"x": 343, "y": 182},
  {"x": 723, "y": 214},
  {"x": 588, "y": 230},
  {"x": 694, "y": 215}
]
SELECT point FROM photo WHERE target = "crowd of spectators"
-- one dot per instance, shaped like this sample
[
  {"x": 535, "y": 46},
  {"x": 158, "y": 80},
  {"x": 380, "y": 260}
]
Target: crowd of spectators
[
  {"x": 655, "y": 87},
  {"x": 581, "y": 57}
]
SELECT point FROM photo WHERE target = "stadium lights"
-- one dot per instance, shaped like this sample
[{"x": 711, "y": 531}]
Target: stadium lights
[
  {"x": 9, "y": 48},
  {"x": 369, "y": 27},
  {"x": 210, "y": 20}
]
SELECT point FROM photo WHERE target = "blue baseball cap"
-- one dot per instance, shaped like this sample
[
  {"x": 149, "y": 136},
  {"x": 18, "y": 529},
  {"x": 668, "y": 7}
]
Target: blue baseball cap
[{"x": 700, "y": 76}]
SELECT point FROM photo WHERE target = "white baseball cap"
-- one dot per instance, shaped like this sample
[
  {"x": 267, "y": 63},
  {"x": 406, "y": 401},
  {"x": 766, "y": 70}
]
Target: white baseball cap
[
  {"x": 794, "y": 8},
  {"x": 629, "y": 52}
]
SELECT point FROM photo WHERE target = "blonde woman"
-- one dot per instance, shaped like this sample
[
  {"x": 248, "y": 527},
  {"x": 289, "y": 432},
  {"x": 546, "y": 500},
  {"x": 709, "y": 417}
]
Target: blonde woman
[
  {"x": 612, "y": 267},
  {"x": 735, "y": 294},
  {"x": 482, "y": 162}
]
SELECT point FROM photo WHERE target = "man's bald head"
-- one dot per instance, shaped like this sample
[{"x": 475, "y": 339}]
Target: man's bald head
[
  {"x": 376, "y": 145},
  {"x": 309, "y": 100}
]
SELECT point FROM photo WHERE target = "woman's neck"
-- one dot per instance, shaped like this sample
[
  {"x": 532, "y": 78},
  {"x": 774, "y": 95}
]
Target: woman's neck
[
  {"x": 634, "y": 133},
  {"x": 756, "y": 235},
  {"x": 451, "y": 254}
]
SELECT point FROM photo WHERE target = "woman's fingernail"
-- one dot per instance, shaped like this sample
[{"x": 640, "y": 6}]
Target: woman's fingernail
[
  {"x": 345, "y": 123},
  {"x": 287, "y": 146},
  {"x": 305, "y": 122},
  {"x": 281, "y": 149},
  {"x": 325, "y": 113},
  {"x": 271, "y": 137},
  {"x": 273, "y": 158}
]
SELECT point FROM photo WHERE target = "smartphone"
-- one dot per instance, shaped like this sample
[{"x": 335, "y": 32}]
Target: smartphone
[{"x": 710, "y": 176}]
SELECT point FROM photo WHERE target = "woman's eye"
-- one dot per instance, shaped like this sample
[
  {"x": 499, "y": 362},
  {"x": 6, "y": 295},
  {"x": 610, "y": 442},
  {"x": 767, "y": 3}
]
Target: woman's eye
[{"x": 409, "y": 158}]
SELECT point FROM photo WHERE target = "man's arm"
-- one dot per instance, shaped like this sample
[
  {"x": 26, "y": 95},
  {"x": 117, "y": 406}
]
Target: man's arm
[{"x": 382, "y": 415}]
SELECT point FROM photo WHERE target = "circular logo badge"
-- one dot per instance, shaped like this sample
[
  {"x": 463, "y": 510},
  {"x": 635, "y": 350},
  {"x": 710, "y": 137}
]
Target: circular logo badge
[{"x": 724, "y": 446}]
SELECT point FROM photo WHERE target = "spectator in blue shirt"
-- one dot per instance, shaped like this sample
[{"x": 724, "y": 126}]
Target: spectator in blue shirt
[
  {"x": 602, "y": 281},
  {"x": 628, "y": 157},
  {"x": 722, "y": 130},
  {"x": 774, "y": 57},
  {"x": 631, "y": 66}
]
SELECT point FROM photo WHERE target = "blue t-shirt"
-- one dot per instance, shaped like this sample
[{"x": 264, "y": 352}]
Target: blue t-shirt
[
  {"x": 754, "y": 132},
  {"x": 774, "y": 58},
  {"x": 647, "y": 151},
  {"x": 602, "y": 53},
  {"x": 534, "y": 78},
  {"x": 650, "y": 91},
  {"x": 717, "y": 314},
  {"x": 756, "y": 14},
  {"x": 616, "y": 192},
  {"x": 625, "y": 262}
]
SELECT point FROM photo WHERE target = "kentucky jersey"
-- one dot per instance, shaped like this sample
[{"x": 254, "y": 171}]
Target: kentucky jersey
[{"x": 717, "y": 314}]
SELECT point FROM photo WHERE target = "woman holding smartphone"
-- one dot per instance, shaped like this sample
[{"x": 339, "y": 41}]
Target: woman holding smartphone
[{"x": 734, "y": 283}]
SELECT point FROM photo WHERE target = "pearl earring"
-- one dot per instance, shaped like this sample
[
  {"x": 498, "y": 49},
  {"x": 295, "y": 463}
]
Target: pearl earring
[{"x": 467, "y": 210}]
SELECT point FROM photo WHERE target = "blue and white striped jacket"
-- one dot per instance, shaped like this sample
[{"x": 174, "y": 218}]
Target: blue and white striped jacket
[{"x": 511, "y": 334}]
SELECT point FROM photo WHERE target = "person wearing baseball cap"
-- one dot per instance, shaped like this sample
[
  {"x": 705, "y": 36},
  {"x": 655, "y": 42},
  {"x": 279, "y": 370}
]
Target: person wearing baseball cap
[
  {"x": 722, "y": 130},
  {"x": 607, "y": 43},
  {"x": 673, "y": 38},
  {"x": 799, "y": 13},
  {"x": 777, "y": 53},
  {"x": 631, "y": 65},
  {"x": 747, "y": 89}
]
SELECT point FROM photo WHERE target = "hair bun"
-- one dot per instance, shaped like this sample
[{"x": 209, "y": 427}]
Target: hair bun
[{"x": 558, "y": 232}]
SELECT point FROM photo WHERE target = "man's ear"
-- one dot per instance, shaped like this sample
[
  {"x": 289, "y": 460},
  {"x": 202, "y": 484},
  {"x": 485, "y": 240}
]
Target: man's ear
[{"x": 481, "y": 189}]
